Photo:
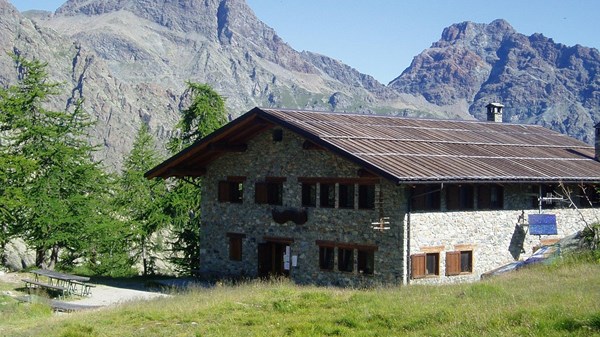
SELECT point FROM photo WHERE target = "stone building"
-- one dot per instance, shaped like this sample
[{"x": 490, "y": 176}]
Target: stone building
[{"x": 348, "y": 199}]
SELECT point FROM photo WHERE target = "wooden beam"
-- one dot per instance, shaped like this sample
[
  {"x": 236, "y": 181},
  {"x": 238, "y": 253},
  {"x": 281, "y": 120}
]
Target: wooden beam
[
  {"x": 186, "y": 172},
  {"x": 340, "y": 180},
  {"x": 225, "y": 147}
]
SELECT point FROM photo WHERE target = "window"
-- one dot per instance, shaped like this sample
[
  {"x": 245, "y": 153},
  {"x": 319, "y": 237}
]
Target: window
[
  {"x": 231, "y": 191},
  {"x": 366, "y": 196},
  {"x": 432, "y": 264},
  {"x": 422, "y": 265},
  {"x": 327, "y": 195},
  {"x": 426, "y": 198},
  {"x": 366, "y": 261},
  {"x": 490, "y": 197},
  {"x": 277, "y": 135},
  {"x": 326, "y": 258},
  {"x": 459, "y": 197},
  {"x": 235, "y": 246},
  {"x": 345, "y": 259},
  {"x": 346, "y": 195},
  {"x": 459, "y": 262},
  {"x": 466, "y": 261},
  {"x": 270, "y": 192},
  {"x": 309, "y": 195}
]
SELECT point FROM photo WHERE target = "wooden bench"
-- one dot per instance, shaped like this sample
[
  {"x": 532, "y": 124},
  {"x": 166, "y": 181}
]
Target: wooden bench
[
  {"x": 56, "y": 305},
  {"x": 33, "y": 284}
]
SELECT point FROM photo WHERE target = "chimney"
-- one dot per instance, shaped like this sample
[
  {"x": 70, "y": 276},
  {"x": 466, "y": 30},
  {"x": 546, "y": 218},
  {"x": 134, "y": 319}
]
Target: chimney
[
  {"x": 597, "y": 142},
  {"x": 494, "y": 112}
]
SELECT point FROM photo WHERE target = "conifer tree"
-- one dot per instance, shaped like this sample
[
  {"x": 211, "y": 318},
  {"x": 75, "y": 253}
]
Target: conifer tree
[
  {"x": 54, "y": 180},
  {"x": 141, "y": 200},
  {"x": 205, "y": 114}
]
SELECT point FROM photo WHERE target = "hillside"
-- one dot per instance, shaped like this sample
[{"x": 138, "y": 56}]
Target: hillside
[
  {"x": 130, "y": 60},
  {"x": 558, "y": 300}
]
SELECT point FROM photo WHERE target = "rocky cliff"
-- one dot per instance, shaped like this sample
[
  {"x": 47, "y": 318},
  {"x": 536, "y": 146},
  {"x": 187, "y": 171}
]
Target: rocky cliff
[
  {"x": 130, "y": 60},
  {"x": 539, "y": 81}
]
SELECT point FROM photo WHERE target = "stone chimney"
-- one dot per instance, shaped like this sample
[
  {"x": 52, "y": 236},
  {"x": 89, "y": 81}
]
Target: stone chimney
[
  {"x": 597, "y": 142},
  {"x": 494, "y": 112}
]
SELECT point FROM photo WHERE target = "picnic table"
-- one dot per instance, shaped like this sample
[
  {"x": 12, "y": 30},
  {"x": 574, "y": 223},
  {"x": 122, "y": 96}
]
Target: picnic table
[{"x": 65, "y": 284}]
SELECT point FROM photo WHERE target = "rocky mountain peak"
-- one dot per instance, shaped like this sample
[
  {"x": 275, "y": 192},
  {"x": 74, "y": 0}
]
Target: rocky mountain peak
[
  {"x": 177, "y": 15},
  {"x": 539, "y": 81}
]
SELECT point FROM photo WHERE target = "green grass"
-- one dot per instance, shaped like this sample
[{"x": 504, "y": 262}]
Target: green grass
[{"x": 556, "y": 300}]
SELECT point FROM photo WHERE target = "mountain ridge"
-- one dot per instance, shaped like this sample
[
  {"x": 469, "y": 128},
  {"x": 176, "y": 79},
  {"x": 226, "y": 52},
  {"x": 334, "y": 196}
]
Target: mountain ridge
[{"x": 133, "y": 58}]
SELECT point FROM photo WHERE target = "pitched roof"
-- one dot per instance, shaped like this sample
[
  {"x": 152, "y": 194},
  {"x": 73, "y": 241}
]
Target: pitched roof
[{"x": 410, "y": 149}]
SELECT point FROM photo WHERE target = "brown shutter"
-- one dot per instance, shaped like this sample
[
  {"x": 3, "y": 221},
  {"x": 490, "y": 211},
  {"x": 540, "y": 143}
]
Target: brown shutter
[
  {"x": 261, "y": 193},
  {"x": 417, "y": 265},
  {"x": 452, "y": 263},
  {"x": 224, "y": 191}
]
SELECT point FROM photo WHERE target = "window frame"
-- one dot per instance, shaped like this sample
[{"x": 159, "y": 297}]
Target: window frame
[
  {"x": 365, "y": 261},
  {"x": 366, "y": 196},
  {"x": 309, "y": 194},
  {"x": 490, "y": 197},
  {"x": 326, "y": 257},
  {"x": 327, "y": 195},
  {"x": 269, "y": 192},
  {"x": 460, "y": 197},
  {"x": 345, "y": 259},
  {"x": 236, "y": 246},
  {"x": 426, "y": 197},
  {"x": 346, "y": 196},
  {"x": 231, "y": 190},
  {"x": 455, "y": 264}
]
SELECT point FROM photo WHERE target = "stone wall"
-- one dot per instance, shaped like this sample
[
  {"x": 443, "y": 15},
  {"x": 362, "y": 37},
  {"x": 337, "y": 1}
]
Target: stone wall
[
  {"x": 497, "y": 237},
  {"x": 267, "y": 158}
]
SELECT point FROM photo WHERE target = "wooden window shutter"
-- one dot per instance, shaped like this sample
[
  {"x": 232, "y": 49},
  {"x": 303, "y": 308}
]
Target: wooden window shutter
[
  {"x": 261, "y": 193},
  {"x": 417, "y": 265},
  {"x": 452, "y": 263},
  {"x": 224, "y": 191}
]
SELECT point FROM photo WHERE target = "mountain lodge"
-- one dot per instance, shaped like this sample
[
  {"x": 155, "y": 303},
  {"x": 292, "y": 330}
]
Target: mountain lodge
[{"x": 349, "y": 199}]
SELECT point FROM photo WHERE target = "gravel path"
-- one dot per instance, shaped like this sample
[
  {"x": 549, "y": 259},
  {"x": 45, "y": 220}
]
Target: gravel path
[{"x": 102, "y": 295}]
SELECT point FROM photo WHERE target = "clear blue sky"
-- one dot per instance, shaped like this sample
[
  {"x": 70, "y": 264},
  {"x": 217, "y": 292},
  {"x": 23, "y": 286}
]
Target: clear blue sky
[{"x": 380, "y": 37}]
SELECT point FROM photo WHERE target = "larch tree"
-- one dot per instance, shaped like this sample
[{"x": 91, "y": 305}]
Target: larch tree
[
  {"x": 140, "y": 200},
  {"x": 55, "y": 189},
  {"x": 205, "y": 114}
]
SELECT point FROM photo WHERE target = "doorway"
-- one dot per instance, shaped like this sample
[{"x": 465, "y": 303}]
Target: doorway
[{"x": 273, "y": 259}]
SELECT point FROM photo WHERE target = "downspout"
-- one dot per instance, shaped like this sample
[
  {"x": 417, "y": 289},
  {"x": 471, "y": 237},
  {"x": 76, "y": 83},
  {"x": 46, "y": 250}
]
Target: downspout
[{"x": 406, "y": 278}]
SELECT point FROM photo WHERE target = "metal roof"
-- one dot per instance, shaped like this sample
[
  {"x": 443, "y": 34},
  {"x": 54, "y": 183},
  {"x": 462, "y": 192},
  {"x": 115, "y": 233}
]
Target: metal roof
[{"x": 416, "y": 150}]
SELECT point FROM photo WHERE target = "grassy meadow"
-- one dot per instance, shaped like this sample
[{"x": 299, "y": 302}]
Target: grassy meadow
[{"x": 557, "y": 300}]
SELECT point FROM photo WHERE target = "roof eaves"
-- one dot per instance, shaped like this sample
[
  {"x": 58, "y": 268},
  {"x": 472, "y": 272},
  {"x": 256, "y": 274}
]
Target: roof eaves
[{"x": 161, "y": 169}]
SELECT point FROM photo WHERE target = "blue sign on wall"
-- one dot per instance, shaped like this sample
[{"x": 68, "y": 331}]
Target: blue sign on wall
[{"x": 542, "y": 224}]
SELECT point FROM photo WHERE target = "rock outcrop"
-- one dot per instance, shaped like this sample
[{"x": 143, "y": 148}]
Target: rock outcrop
[{"x": 539, "y": 81}]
